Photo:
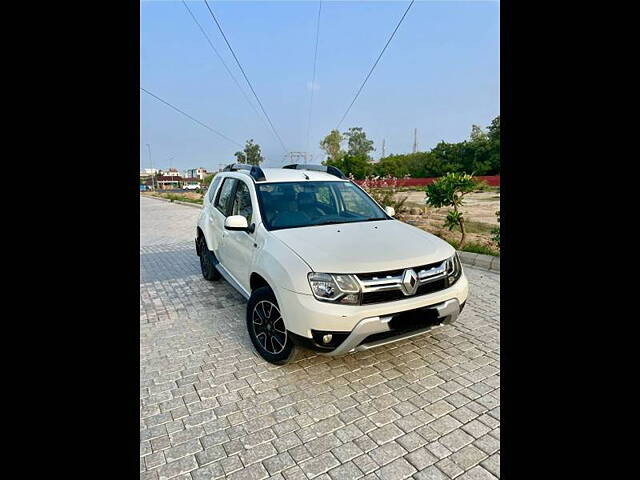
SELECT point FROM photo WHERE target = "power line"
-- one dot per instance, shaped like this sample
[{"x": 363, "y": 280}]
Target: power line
[
  {"x": 313, "y": 82},
  {"x": 223, "y": 62},
  {"x": 374, "y": 65},
  {"x": 190, "y": 117},
  {"x": 245, "y": 75}
]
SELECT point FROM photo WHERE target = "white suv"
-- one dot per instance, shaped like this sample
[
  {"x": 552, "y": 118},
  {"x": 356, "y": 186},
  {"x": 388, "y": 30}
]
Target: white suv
[{"x": 322, "y": 264}]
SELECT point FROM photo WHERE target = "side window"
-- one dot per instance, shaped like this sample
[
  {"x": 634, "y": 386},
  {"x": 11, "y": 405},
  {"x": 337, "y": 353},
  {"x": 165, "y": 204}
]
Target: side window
[
  {"x": 242, "y": 202},
  {"x": 223, "y": 202},
  {"x": 213, "y": 187}
]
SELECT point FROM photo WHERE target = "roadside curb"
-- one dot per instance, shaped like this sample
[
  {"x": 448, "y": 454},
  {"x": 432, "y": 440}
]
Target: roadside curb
[
  {"x": 179, "y": 202},
  {"x": 477, "y": 260}
]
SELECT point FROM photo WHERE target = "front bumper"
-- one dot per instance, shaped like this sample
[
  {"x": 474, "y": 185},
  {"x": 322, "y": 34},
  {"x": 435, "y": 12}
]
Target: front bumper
[
  {"x": 304, "y": 315},
  {"x": 447, "y": 312}
]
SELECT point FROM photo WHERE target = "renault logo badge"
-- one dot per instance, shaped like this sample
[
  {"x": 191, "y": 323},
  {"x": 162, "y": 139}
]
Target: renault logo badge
[{"x": 409, "y": 282}]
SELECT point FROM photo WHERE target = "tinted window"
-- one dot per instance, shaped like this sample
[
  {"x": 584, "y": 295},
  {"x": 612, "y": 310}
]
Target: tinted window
[
  {"x": 242, "y": 202},
  {"x": 214, "y": 186},
  {"x": 223, "y": 202},
  {"x": 304, "y": 204}
]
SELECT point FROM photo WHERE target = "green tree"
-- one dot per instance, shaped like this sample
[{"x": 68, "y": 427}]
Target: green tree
[
  {"x": 331, "y": 144},
  {"x": 251, "y": 154},
  {"x": 358, "y": 142},
  {"x": 356, "y": 165},
  {"x": 206, "y": 181},
  {"x": 449, "y": 191},
  {"x": 493, "y": 133}
]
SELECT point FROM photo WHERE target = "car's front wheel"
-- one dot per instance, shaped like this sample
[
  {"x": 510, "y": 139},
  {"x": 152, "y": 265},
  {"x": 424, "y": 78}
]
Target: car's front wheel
[{"x": 267, "y": 329}]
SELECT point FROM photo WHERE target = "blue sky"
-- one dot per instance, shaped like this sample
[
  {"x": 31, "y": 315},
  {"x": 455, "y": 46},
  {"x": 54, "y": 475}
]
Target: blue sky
[{"x": 440, "y": 74}]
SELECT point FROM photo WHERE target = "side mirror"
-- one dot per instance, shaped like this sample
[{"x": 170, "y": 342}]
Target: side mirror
[
  {"x": 236, "y": 223},
  {"x": 390, "y": 211}
]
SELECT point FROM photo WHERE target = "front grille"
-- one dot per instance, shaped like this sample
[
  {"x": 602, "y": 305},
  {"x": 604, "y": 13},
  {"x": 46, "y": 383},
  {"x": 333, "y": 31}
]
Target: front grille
[
  {"x": 394, "y": 273},
  {"x": 393, "y": 295}
]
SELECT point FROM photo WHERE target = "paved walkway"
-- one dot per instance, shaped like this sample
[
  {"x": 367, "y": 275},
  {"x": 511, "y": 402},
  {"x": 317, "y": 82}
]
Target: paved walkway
[{"x": 427, "y": 407}]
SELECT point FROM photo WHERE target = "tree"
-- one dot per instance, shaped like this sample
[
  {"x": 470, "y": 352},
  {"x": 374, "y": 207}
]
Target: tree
[
  {"x": 494, "y": 130},
  {"x": 477, "y": 135},
  {"x": 356, "y": 165},
  {"x": 358, "y": 142},
  {"x": 206, "y": 181},
  {"x": 251, "y": 154},
  {"x": 494, "y": 144},
  {"x": 449, "y": 191},
  {"x": 331, "y": 144}
]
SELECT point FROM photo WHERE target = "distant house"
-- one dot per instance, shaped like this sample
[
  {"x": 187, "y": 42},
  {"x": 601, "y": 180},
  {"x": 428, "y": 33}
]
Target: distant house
[
  {"x": 167, "y": 182},
  {"x": 202, "y": 173}
]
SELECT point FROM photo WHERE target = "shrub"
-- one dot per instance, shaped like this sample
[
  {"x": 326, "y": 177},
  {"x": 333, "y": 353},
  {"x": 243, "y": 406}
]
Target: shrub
[
  {"x": 495, "y": 233},
  {"x": 449, "y": 191}
]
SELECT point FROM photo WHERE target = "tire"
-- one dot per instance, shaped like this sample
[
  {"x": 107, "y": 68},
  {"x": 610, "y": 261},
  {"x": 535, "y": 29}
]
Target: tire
[
  {"x": 267, "y": 329},
  {"x": 207, "y": 261}
]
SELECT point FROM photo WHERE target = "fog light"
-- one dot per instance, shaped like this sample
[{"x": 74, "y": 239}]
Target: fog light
[{"x": 327, "y": 338}]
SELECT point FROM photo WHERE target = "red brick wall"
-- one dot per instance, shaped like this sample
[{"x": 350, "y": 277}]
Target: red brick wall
[{"x": 492, "y": 180}]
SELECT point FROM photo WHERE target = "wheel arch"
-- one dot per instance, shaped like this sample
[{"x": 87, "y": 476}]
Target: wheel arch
[{"x": 256, "y": 281}]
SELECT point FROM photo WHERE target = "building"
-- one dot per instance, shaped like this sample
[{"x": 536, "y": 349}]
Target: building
[
  {"x": 201, "y": 173},
  {"x": 167, "y": 182}
]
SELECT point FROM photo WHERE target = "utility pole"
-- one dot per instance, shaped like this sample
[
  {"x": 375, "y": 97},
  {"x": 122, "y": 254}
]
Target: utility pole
[
  {"x": 382, "y": 148},
  {"x": 151, "y": 162},
  {"x": 415, "y": 140}
]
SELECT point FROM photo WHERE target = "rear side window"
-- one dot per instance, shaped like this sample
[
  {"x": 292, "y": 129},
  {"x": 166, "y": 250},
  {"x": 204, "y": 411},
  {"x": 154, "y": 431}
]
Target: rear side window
[
  {"x": 213, "y": 188},
  {"x": 242, "y": 202},
  {"x": 223, "y": 202}
]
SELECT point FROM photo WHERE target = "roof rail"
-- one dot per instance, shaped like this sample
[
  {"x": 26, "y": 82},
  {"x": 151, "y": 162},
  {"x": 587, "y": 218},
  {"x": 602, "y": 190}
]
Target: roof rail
[
  {"x": 253, "y": 170},
  {"x": 331, "y": 170}
]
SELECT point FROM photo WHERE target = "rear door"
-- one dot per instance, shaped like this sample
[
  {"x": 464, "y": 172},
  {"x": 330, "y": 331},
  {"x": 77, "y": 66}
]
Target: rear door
[
  {"x": 238, "y": 248},
  {"x": 217, "y": 212}
]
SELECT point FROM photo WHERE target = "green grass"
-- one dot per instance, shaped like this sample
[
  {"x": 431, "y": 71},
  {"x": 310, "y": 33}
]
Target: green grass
[
  {"x": 477, "y": 227},
  {"x": 172, "y": 197}
]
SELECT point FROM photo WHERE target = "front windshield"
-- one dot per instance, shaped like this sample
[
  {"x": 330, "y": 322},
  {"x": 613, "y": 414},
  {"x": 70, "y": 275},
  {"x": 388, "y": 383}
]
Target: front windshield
[{"x": 304, "y": 204}]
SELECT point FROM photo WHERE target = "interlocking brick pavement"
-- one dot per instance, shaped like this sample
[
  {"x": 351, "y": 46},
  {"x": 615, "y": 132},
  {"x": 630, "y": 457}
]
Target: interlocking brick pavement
[{"x": 210, "y": 407}]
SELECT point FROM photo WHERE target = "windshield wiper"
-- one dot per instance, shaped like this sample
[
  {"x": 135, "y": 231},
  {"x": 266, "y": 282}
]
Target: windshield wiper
[{"x": 327, "y": 222}]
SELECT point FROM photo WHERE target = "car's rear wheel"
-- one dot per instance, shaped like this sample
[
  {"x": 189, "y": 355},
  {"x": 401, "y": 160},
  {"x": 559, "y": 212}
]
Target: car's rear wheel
[
  {"x": 267, "y": 328},
  {"x": 207, "y": 261}
]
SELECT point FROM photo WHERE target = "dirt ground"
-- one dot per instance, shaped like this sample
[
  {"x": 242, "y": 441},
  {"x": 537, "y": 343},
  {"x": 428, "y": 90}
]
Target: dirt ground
[
  {"x": 192, "y": 195},
  {"x": 478, "y": 207},
  {"x": 479, "y": 212}
]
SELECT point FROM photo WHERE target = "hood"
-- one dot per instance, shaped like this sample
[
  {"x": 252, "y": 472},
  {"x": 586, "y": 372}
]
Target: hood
[{"x": 363, "y": 247}]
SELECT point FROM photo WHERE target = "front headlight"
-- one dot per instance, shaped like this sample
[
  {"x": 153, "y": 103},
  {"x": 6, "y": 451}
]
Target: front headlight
[
  {"x": 335, "y": 288},
  {"x": 454, "y": 269}
]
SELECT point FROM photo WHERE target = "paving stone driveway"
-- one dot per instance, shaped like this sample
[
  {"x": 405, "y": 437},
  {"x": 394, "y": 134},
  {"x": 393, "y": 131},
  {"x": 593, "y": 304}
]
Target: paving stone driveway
[{"x": 427, "y": 407}]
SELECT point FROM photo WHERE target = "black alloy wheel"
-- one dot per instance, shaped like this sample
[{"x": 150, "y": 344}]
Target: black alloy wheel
[{"x": 267, "y": 328}]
